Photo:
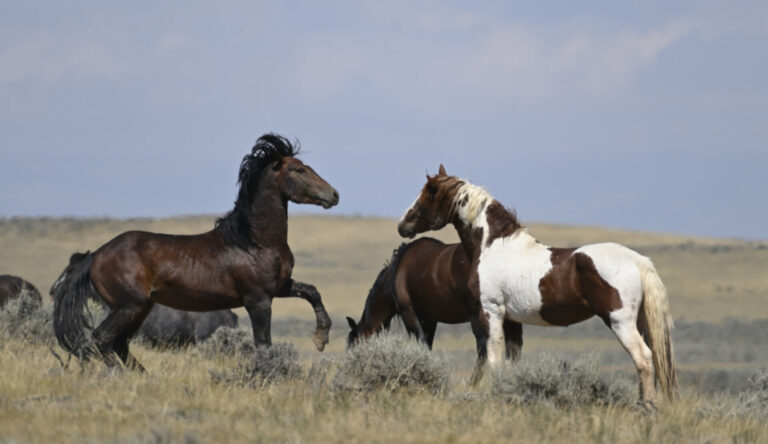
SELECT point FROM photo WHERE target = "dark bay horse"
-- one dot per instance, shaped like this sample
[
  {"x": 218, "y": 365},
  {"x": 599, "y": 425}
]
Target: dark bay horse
[
  {"x": 12, "y": 286},
  {"x": 425, "y": 282},
  {"x": 244, "y": 261},
  {"x": 513, "y": 276},
  {"x": 167, "y": 327}
]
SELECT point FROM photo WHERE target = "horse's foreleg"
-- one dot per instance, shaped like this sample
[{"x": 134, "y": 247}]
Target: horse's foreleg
[
  {"x": 309, "y": 293},
  {"x": 480, "y": 330},
  {"x": 495, "y": 317},
  {"x": 259, "y": 308},
  {"x": 411, "y": 322},
  {"x": 429, "y": 328},
  {"x": 513, "y": 336}
]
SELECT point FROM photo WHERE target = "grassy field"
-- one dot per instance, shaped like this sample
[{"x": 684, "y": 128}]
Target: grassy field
[{"x": 717, "y": 287}]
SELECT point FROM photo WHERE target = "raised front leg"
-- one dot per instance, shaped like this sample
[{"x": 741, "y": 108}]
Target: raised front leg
[
  {"x": 259, "y": 307},
  {"x": 309, "y": 293}
]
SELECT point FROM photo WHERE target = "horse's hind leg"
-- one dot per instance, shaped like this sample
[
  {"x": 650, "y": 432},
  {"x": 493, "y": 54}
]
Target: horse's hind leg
[
  {"x": 632, "y": 341},
  {"x": 121, "y": 342},
  {"x": 111, "y": 336},
  {"x": 513, "y": 336}
]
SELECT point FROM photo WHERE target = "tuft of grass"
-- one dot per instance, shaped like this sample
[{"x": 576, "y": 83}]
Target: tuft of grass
[
  {"x": 266, "y": 365},
  {"x": 393, "y": 362},
  {"x": 545, "y": 379},
  {"x": 25, "y": 319},
  {"x": 227, "y": 341},
  {"x": 750, "y": 403}
]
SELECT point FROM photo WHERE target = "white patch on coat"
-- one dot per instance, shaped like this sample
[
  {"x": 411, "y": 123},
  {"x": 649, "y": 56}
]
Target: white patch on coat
[
  {"x": 617, "y": 265},
  {"x": 509, "y": 272}
]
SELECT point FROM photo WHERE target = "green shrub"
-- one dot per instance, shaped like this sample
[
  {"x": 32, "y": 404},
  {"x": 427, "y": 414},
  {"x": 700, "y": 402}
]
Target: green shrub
[
  {"x": 394, "y": 362},
  {"x": 546, "y": 379}
]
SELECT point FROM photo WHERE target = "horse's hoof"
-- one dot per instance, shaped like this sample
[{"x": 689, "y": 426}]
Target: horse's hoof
[
  {"x": 648, "y": 405},
  {"x": 320, "y": 339}
]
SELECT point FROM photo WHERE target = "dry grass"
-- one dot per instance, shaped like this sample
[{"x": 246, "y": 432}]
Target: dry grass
[{"x": 182, "y": 400}]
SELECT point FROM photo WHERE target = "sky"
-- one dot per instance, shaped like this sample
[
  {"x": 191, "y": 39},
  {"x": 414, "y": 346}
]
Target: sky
[{"x": 647, "y": 116}]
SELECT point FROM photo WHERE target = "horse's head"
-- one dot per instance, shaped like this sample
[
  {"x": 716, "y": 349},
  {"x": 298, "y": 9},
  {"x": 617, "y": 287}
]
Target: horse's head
[
  {"x": 354, "y": 334},
  {"x": 433, "y": 208},
  {"x": 299, "y": 183}
]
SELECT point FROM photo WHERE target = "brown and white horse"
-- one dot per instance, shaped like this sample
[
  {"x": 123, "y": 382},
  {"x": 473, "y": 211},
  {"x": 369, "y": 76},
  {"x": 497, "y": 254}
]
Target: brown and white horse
[{"x": 513, "y": 276}]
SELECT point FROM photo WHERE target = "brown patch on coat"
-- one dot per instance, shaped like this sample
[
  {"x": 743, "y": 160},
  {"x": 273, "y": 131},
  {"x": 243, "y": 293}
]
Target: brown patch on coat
[
  {"x": 573, "y": 290},
  {"x": 501, "y": 221}
]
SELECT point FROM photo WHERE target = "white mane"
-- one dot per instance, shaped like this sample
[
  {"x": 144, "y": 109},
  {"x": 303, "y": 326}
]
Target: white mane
[{"x": 470, "y": 209}]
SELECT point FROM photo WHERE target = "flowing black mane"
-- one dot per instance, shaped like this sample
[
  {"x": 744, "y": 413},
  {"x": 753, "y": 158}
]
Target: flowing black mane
[{"x": 235, "y": 226}]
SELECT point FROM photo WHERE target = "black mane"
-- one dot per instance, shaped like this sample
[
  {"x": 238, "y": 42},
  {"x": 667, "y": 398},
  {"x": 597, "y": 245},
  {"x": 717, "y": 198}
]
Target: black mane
[{"x": 235, "y": 226}]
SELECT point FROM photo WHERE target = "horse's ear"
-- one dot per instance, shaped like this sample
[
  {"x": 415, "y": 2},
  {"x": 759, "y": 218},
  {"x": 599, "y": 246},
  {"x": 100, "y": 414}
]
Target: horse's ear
[
  {"x": 441, "y": 171},
  {"x": 352, "y": 324}
]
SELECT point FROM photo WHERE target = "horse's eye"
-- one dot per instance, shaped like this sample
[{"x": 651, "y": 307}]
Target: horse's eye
[{"x": 301, "y": 170}]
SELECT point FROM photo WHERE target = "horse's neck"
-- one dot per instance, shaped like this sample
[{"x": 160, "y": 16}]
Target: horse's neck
[
  {"x": 476, "y": 236},
  {"x": 471, "y": 239},
  {"x": 379, "y": 309},
  {"x": 268, "y": 215}
]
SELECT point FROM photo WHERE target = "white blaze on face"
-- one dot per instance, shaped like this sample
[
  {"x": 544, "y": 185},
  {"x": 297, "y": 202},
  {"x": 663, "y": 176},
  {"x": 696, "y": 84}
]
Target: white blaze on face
[{"x": 402, "y": 219}]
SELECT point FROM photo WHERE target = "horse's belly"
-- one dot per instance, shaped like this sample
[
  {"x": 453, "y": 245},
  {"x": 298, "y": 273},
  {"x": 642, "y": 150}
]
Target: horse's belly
[{"x": 195, "y": 300}]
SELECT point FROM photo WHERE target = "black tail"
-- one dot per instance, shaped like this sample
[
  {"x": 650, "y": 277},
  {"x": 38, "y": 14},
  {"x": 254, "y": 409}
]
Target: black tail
[{"x": 69, "y": 319}]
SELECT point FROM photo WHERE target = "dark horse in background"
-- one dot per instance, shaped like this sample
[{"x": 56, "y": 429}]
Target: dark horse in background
[
  {"x": 168, "y": 327},
  {"x": 244, "y": 261},
  {"x": 425, "y": 282},
  {"x": 11, "y": 287}
]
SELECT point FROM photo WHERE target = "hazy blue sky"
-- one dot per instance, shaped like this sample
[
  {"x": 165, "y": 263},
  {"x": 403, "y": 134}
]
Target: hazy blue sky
[{"x": 642, "y": 115}]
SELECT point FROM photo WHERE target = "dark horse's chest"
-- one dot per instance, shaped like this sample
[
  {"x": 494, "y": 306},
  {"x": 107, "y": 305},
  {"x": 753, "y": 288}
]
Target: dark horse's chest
[{"x": 273, "y": 269}]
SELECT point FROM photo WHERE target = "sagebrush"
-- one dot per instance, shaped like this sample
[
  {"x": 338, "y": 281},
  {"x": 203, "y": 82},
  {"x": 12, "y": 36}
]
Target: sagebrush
[
  {"x": 547, "y": 379},
  {"x": 392, "y": 361}
]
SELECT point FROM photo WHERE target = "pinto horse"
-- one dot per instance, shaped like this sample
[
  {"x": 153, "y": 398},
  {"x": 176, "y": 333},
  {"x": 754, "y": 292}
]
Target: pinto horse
[
  {"x": 513, "y": 276},
  {"x": 244, "y": 261},
  {"x": 425, "y": 282}
]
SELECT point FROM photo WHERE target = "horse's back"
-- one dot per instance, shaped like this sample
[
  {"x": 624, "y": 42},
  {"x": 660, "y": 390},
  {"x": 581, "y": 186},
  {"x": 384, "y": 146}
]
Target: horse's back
[{"x": 615, "y": 263}]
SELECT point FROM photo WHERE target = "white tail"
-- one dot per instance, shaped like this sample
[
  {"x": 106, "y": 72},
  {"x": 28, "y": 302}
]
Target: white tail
[{"x": 656, "y": 322}]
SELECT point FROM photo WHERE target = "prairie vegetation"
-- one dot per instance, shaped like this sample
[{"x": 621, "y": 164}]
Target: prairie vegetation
[{"x": 573, "y": 384}]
